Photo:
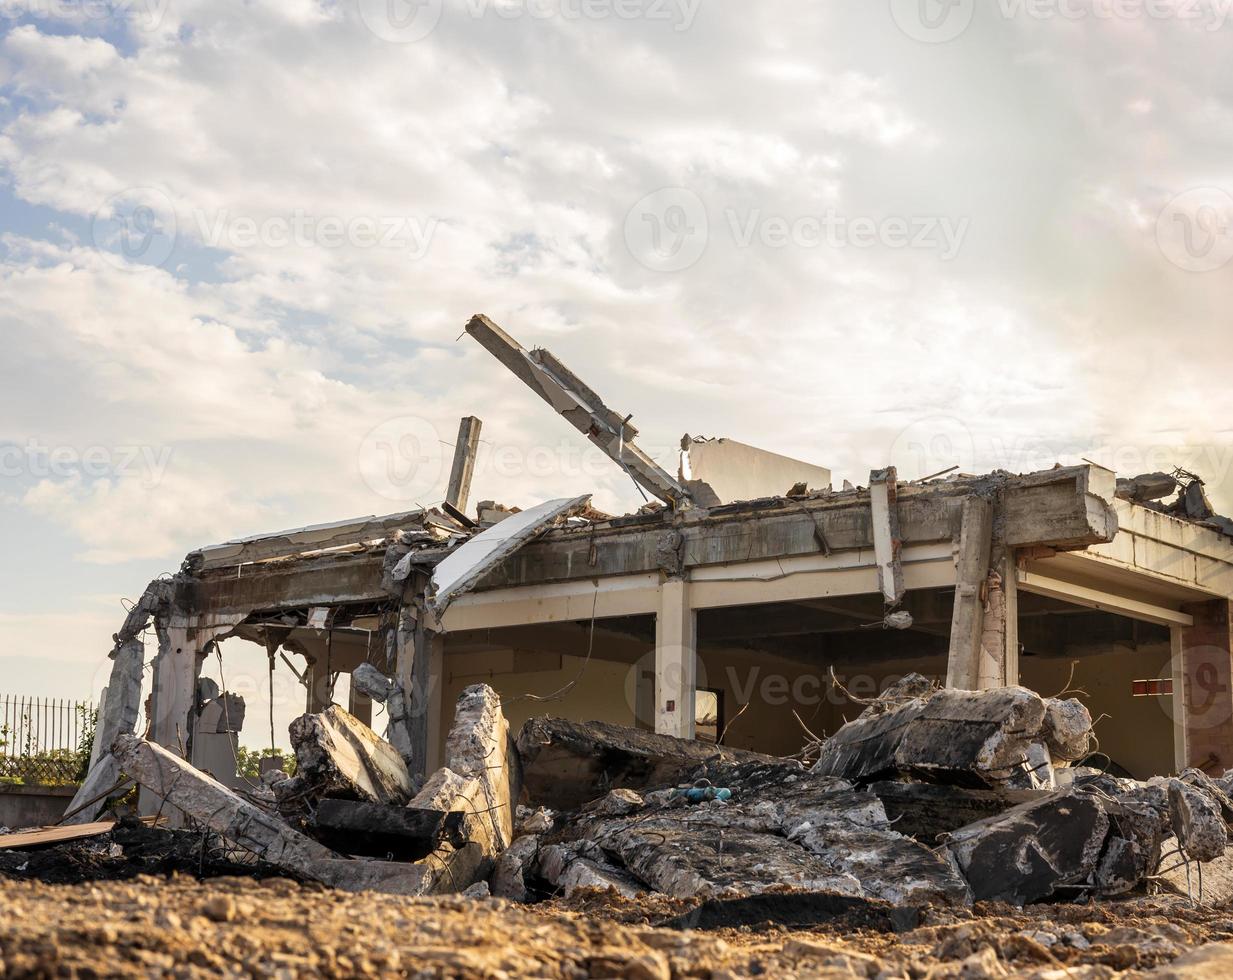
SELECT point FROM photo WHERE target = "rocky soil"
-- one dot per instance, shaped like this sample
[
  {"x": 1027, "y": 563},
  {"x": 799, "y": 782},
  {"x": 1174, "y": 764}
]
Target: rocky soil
[{"x": 182, "y": 927}]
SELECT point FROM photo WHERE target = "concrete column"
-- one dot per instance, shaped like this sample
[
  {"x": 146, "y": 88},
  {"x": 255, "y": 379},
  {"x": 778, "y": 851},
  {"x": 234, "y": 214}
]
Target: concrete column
[
  {"x": 420, "y": 668},
  {"x": 967, "y": 627},
  {"x": 999, "y": 645},
  {"x": 676, "y": 661},
  {"x": 176, "y": 669},
  {"x": 1206, "y": 670}
]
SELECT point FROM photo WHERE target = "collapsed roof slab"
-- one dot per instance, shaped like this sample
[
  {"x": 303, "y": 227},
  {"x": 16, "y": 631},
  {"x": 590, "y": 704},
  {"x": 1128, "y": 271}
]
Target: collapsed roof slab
[{"x": 315, "y": 537}]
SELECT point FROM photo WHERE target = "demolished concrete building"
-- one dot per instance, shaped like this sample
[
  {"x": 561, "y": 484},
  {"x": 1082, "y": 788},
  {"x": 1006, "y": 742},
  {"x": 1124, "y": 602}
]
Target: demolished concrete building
[{"x": 707, "y": 617}]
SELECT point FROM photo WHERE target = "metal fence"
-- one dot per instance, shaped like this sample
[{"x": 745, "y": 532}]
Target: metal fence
[{"x": 41, "y": 738}]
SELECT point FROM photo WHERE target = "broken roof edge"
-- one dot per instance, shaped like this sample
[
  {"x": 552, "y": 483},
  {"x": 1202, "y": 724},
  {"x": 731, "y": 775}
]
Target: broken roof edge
[{"x": 317, "y": 538}]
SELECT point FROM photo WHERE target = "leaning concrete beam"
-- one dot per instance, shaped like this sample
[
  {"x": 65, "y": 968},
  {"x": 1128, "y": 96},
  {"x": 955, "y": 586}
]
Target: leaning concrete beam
[
  {"x": 117, "y": 716},
  {"x": 580, "y": 406},
  {"x": 214, "y": 805}
]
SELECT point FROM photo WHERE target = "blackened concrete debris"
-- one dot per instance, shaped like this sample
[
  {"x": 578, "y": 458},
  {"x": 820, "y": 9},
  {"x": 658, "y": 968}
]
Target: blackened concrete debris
[{"x": 922, "y": 800}]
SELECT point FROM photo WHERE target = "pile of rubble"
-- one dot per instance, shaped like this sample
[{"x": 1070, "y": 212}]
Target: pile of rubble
[{"x": 929, "y": 797}]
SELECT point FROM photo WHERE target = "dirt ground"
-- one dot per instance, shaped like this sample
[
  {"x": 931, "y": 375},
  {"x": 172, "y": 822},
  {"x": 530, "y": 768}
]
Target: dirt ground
[{"x": 179, "y": 926}]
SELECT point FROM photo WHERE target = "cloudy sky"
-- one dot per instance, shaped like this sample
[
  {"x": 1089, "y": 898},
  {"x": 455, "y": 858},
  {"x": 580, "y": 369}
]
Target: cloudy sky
[{"x": 240, "y": 241}]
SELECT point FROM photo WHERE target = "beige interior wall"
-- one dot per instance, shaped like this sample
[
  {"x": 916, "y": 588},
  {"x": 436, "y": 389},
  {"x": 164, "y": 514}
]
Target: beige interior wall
[
  {"x": 774, "y": 687},
  {"x": 1138, "y": 732},
  {"x": 603, "y": 692}
]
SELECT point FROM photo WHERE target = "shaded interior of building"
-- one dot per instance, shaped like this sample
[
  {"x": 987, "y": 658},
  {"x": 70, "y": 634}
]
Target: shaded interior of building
[{"x": 770, "y": 677}]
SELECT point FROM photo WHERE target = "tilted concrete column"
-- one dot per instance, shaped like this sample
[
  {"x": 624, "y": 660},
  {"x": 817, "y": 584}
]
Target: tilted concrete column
[
  {"x": 1205, "y": 651},
  {"x": 676, "y": 663}
]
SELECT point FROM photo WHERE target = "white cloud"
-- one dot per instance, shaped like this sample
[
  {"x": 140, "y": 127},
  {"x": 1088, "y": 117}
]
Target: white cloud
[{"x": 518, "y": 147}]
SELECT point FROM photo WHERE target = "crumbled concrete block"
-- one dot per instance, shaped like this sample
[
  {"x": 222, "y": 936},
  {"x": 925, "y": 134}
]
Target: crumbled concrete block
[
  {"x": 337, "y": 755},
  {"x": 1197, "y": 822},
  {"x": 509, "y": 877},
  {"x": 1032, "y": 850}
]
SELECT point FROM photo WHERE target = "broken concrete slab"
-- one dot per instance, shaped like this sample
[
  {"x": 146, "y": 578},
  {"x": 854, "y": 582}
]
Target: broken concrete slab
[
  {"x": 723, "y": 471},
  {"x": 463, "y": 567},
  {"x": 337, "y": 755},
  {"x": 566, "y": 764},
  {"x": 1067, "y": 729},
  {"x": 978, "y": 738},
  {"x": 1197, "y": 822},
  {"x": 479, "y": 746},
  {"x": 685, "y": 861},
  {"x": 928, "y": 810}
]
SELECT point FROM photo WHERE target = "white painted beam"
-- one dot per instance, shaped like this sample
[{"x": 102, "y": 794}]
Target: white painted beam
[
  {"x": 559, "y": 602},
  {"x": 1097, "y": 598}
]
